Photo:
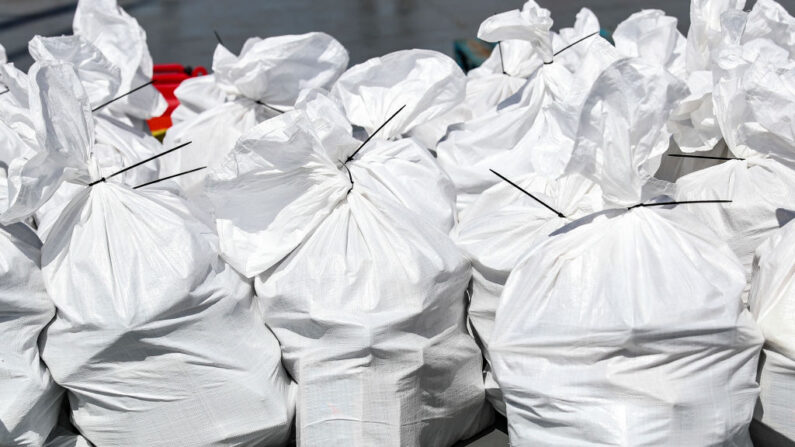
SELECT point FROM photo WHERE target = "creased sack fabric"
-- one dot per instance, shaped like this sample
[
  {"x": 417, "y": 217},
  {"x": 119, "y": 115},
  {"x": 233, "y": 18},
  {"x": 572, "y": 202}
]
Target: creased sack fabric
[
  {"x": 532, "y": 131},
  {"x": 772, "y": 302},
  {"x": 117, "y": 143},
  {"x": 498, "y": 228},
  {"x": 261, "y": 82},
  {"x": 754, "y": 88},
  {"x": 417, "y": 86},
  {"x": 157, "y": 340},
  {"x": 106, "y": 26},
  {"x": 626, "y": 326},
  {"x": 29, "y": 398},
  {"x": 365, "y": 297}
]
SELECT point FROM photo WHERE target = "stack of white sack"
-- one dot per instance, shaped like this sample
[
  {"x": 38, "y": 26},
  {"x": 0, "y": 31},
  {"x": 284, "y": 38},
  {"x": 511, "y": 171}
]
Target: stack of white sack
[
  {"x": 626, "y": 326},
  {"x": 157, "y": 340},
  {"x": 772, "y": 301},
  {"x": 527, "y": 131},
  {"x": 499, "y": 227},
  {"x": 243, "y": 91},
  {"x": 753, "y": 95},
  {"x": 347, "y": 243}
]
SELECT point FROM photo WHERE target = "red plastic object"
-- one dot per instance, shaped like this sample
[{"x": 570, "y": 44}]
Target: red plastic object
[{"x": 167, "y": 78}]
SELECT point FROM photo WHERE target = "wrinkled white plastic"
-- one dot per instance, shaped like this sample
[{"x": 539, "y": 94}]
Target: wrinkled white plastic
[
  {"x": 693, "y": 124},
  {"x": 373, "y": 333},
  {"x": 157, "y": 339},
  {"x": 532, "y": 131},
  {"x": 772, "y": 302},
  {"x": 428, "y": 83},
  {"x": 122, "y": 41},
  {"x": 117, "y": 143},
  {"x": 622, "y": 132},
  {"x": 626, "y": 327},
  {"x": 499, "y": 227},
  {"x": 196, "y": 95},
  {"x": 264, "y": 80},
  {"x": 754, "y": 90},
  {"x": 29, "y": 398},
  {"x": 652, "y": 36}
]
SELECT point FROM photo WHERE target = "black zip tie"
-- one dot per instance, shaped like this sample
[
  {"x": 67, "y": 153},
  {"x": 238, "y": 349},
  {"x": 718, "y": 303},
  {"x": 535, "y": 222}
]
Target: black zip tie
[
  {"x": 218, "y": 37},
  {"x": 373, "y": 134},
  {"x": 122, "y": 96},
  {"x": 169, "y": 177},
  {"x": 502, "y": 64},
  {"x": 5, "y": 91},
  {"x": 678, "y": 203},
  {"x": 269, "y": 106},
  {"x": 524, "y": 191},
  {"x": 140, "y": 163},
  {"x": 704, "y": 156},
  {"x": 350, "y": 177},
  {"x": 574, "y": 43},
  {"x": 570, "y": 45}
]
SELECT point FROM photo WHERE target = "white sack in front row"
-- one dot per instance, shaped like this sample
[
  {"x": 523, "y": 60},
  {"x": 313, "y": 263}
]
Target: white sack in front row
[
  {"x": 365, "y": 295},
  {"x": 29, "y": 399},
  {"x": 772, "y": 302},
  {"x": 626, "y": 327},
  {"x": 156, "y": 339},
  {"x": 499, "y": 227}
]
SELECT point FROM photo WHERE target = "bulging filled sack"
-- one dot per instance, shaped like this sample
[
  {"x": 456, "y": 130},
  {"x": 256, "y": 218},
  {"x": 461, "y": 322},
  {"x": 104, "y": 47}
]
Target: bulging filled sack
[
  {"x": 499, "y": 227},
  {"x": 365, "y": 295},
  {"x": 157, "y": 340},
  {"x": 29, "y": 398},
  {"x": 772, "y": 302},
  {"x": 626, "y": 327}
]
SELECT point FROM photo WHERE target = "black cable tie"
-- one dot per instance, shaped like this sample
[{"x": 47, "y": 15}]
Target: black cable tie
[
  {"x": 140, "y": 163},
  {"x": 269, "y": 106},
  {"x": 5, "y": 91},
  {"x": 502, "y": 64},
  {"x": 704, "y": 156},
  {"x": 169, "y": 177},
  {"x": 526, "y": 192},
  {"x": 678, "y": 203},
  {"x": 122, "y": 96},
  {"x": 373, "y": 134},
  {"x": 572, "y": 44},
  {"x": 218, "y": 38}
]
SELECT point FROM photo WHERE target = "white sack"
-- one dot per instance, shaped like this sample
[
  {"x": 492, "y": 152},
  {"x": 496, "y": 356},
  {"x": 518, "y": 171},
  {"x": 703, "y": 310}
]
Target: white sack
[
  {"x": 532, "y": 131},
  {"x": 772, "y": 302},
  {"x": 366, "y": 298},
  {"x": 29, "y": 399},
  {"x": 693, "y": 124},
  {"x": 498, "y": 228},
  {"x": 122, "y": 41},
  {"x": 626, "y": 327},
  {"x": 753, "y": 96},
  {"x": 418, "y": 85},
  {"x": 157, "y": 340},
  {"x": 117, "y": 143},
  {"x": 263, "y": 81}
]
